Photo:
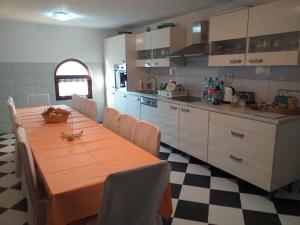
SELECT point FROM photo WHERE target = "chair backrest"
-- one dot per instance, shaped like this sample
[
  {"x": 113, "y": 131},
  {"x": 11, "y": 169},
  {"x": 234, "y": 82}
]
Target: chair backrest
[
  {"x": 91, "y": 109},
  {"x": 147, "y": 136},
  {"x": 126, "y": 126},
  {"x": 34, "y": 100},
  {"x": 133, "y": 197},
  {"x": 38, "y": 210},
  {"x": 15, "y": 120},
  {"x": 79, "y": 103},
  {"x": 111, "y": 119},
  {"x": 28, "y": 163}
]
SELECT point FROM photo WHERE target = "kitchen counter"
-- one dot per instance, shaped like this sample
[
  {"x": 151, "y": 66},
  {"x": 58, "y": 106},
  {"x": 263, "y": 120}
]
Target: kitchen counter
[{"x": 243, "y": 112}]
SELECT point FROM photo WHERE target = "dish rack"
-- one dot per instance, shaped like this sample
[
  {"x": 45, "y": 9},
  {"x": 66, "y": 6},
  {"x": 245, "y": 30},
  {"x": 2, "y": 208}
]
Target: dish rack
[{"x": 171, "y": 94}]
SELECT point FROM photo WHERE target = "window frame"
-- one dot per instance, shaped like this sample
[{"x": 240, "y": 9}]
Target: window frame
[{"x": 58, "y": 77}]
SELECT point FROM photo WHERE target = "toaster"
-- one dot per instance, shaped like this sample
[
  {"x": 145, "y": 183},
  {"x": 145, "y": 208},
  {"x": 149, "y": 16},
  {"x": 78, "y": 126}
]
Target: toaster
[{"x": 228, "y": 94}]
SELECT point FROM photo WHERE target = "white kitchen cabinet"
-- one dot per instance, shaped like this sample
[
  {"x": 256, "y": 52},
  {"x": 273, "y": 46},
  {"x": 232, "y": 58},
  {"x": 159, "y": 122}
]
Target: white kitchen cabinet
[
  {"x": 121, "y": 102},
  {"x": 273, "y": 31},
  {"x": 193, "y": 132},
  {"x": 231, "y": 25},
  {"x": 227, "y": 36},
  {"x": 111, "y": 98},
  {"x": 168, "y": 122},
  {"x": 261, "y": 153},
  {"x": 143, "y": 41},
  {"x": 274, "y": 17},
  {"x": 134, "y": 106},
  {"x": 154, "y": 47}
]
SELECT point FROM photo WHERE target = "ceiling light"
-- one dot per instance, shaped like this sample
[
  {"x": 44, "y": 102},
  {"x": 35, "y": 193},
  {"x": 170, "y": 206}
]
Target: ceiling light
[{"x": 62, "y": 15}]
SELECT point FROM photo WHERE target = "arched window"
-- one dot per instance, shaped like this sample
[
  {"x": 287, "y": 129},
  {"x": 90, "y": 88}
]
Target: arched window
[{"x": 72, "y": 76}]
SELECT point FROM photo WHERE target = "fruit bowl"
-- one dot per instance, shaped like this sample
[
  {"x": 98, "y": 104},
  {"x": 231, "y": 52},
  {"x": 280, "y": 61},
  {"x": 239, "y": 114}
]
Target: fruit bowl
[{"x": 55, "y": 115}]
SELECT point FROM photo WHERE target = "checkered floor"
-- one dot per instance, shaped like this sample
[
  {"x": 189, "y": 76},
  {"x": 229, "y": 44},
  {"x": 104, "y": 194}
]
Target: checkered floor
[{"x": 200, "y": 194}]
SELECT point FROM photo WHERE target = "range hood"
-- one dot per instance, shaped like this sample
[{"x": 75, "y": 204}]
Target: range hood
[{"x": 200, "y": 46}]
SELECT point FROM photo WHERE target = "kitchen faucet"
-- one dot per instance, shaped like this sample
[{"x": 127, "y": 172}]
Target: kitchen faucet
[{"x": 152, "y": 78}]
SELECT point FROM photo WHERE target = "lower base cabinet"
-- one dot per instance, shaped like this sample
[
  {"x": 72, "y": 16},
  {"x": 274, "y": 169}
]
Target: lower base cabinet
[{"x": 193, "y": 132}]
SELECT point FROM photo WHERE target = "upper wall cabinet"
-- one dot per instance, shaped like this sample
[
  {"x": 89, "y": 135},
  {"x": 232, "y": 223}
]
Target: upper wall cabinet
[
  {"x": 274, "y": 33},
  {"x": 154, "y": 48},
  {"x": 228, "y": 38}
]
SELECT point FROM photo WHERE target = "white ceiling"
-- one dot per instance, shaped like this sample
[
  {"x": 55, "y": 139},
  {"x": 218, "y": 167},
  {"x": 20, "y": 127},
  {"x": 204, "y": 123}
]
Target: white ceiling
[{"x": 107, "y": 14}]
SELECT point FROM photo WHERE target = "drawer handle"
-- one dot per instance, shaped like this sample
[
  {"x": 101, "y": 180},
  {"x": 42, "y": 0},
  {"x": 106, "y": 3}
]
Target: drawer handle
[
  {"x": 156, "y": 63},
  {"x": 173, "y": 107},
  {"x": 238, "y": 135},
  {"x": 256, "y": 60},
  {"x": 124, "y": 96},
  {"x": 234, "y": 158},
  {"x": 112, "y": 93},
  {"x": 185, "y": 110},
  {"x": 235, "y": 61},
  {"x": 137, "y": 99}
]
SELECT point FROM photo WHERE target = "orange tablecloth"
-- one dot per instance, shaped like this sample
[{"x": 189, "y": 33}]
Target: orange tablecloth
[{"x": 74, "y": 172}]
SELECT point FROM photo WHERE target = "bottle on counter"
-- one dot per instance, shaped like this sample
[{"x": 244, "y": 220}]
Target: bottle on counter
[
  {"x": 210, "y": 90},
  {"x": 204, "y": 87}
]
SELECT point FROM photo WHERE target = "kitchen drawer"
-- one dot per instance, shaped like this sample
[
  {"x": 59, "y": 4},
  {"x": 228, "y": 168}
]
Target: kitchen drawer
[
  {"x": 247, "y": 169},
  {"x": 252, "y": 126},
  {"x": 254, "y": 146}
]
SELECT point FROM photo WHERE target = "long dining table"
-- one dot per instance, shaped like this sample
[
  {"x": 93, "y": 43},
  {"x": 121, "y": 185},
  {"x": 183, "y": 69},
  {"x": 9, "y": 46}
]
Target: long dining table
[{"x": 73, "y": 172}]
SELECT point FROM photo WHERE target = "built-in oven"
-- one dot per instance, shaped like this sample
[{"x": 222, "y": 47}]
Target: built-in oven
[{"x": 120, "y": 76}]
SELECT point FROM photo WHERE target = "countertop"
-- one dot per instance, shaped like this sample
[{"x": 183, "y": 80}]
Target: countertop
[{"x": 243, "y": 112}]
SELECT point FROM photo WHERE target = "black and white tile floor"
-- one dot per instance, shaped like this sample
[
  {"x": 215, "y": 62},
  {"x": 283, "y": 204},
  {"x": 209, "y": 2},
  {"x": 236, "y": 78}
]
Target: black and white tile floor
[{"x": 200, "y": 195}]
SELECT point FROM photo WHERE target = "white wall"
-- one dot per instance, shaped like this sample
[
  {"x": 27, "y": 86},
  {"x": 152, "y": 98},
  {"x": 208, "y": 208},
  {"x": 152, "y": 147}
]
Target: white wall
[
  {"x": 24, "y": 42},
  {"x": 29, "y": 54}
]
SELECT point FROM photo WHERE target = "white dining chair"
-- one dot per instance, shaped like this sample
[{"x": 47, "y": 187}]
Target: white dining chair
[
  {"x": 37, "y": 204},
  {"x": 132, "y": 197},
  {"x": 15, "y": 124},
  {"x": 147, "y": 137},
  {"x": 126, "y": 126},
  {"x": 111, "y": 119},
  {"x": 78, "y": 103},
  {"x": 34, "y": 100},
  {"x": 91, "y": 109}
]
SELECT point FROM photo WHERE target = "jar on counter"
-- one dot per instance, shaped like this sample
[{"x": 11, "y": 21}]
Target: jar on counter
[{"x": 235, "y": 101}]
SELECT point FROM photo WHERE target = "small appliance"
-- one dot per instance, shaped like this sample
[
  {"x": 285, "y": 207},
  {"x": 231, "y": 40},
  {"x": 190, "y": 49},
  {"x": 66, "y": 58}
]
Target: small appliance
[
  {"x": 120, "y": 75},
  {"x": 247, "y": 96},
  {"x": 228, "y": 94}
]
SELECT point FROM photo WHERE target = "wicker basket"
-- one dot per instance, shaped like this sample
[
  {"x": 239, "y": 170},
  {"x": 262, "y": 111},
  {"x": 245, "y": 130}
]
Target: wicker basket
[{"x": 56, "y": 119}]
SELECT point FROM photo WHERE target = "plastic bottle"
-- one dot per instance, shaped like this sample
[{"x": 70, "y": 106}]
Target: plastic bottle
[
  {"x": 204, "y": 87},
  {"x": 210, "y": 90}
]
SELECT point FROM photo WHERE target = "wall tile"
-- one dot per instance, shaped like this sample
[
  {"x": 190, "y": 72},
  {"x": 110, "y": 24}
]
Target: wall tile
[
  {"x": 6, "y": 68},
  {"x": 6, "y": 80},
  {"x": 5, "y": 117},
  {"x": 236, "y": 71},
  {"x": 44, "y": 79},
  {"x": 7, "y": 91},
  {"x": 24, "y": 80},
  {"x": 256, "y": 73},
  {"x": 3, "y": 104},
  {"x": 23, "y": 68},
  {"x": 23, "y": 91},
  {"x": 44, "y": 68},
  {"x": 285, "y": 73},
  {"x": 5, "y": 127},
  {"x": 21, "y": 102},
  {"x": 45, "y": 90},
  {"x": 260, "y": 87}
]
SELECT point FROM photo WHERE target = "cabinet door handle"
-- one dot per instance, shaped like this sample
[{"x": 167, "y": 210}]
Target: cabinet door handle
[
  {"x": 112, "y": 93},
  {"x": 147, "y": 64},
  {"x": 234, "y": 158},
  {"x": 256, "y": 60},
  {"x": 124, "y": 96},
  {"x": 156, "y": 63},
  {"x": 235, "y": 61},
  {"x": 185, "y": 110},
  {"x": 238, "y": 135},
  {"x": 137, "y": 99},
  {"x": 173, "y": 107}
]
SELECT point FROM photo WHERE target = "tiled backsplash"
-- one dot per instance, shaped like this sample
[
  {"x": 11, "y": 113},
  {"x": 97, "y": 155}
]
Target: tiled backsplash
[
  {"x": 263, "y": 80},
  {"x": 20, "y": 79}
]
